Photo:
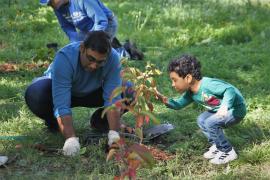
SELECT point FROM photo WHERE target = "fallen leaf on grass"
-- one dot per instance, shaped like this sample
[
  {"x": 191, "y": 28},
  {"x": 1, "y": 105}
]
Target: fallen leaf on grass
[
  {"x": 159, "y": 155},
  {"x": 8, "y": 67},
  {"x": 13, "y": 67}
]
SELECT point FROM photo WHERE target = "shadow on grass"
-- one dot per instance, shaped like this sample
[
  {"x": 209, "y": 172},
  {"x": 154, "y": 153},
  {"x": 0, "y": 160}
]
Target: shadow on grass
[{"x": 188, "y": 137}]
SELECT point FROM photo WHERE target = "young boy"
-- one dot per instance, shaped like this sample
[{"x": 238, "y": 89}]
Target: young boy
[{"x": 224, "y": 103}]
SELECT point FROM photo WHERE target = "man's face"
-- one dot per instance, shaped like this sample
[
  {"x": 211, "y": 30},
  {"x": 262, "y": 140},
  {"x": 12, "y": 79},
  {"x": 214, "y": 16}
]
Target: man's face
[
  {"x": 91, "y": 60},
  {"x": 56, "y": 4},
  {"x": 180, "y": 84}
]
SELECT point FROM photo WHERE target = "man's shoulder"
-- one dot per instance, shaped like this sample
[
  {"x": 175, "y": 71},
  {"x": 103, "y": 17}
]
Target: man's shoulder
[
  {"x": 68, "y": 54},
  {"x": 70, "y": 48}
]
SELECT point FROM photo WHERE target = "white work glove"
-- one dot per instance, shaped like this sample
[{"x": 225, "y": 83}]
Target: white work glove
[
  {"x": 71, "y": 146},
  {"x": 3, "y": 160},
  {"x": 113, "y": 136}
]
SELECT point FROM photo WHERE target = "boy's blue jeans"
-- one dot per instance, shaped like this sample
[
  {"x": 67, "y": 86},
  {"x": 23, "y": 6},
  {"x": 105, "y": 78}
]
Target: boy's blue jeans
[{"x": 212, "y": 126}]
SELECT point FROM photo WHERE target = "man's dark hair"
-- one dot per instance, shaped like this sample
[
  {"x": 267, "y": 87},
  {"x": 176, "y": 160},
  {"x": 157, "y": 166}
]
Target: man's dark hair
[
  {"x": 98, "y": 41},
  {"x": 185, "y": 65}
]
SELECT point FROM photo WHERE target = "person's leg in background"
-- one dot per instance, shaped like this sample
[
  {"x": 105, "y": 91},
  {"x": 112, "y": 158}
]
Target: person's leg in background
[{"x": 112, "y": 27}]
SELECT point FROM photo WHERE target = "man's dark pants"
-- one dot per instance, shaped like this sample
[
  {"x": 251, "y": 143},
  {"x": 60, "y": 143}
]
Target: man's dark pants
[{"x": 38, "y": 97}]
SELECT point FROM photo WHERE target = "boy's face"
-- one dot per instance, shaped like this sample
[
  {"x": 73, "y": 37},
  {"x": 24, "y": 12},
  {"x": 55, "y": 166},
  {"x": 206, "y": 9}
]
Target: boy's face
[{"x": 180, "y": 84}]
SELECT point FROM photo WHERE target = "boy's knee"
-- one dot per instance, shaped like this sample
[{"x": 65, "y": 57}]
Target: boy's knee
[
  {"x": 200, "y": 120},
  {"x": 210, "y": 123}
]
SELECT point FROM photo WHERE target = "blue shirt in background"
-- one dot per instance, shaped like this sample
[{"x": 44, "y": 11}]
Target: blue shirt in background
[{"x": 83, "y": 15}]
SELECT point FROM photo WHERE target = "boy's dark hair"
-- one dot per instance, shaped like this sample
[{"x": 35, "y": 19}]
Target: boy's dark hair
[
  {"x": 98, "y": 41},
  {"x": 185, "y": 65}
]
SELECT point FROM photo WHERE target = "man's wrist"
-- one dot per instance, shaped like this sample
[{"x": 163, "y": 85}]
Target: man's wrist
[{"x": 66, "y": 126}]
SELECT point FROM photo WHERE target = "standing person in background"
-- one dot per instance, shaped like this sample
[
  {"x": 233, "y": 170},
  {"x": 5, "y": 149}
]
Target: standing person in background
[{"x": 78, "y": 17}]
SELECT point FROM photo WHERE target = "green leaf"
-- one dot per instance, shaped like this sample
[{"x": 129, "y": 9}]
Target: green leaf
[
  {"x": 117, "y": 91},
  {"x": 139, "y": 133},
  {"x": 107, "y": 109},
  {"x": 144, "y": 153},
  {"x": 157, "y": 72},
  {"x": 83, "y": 151}
]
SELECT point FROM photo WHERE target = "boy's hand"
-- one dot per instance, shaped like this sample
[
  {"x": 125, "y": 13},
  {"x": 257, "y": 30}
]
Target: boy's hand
[
  {"x": 223, "y": 111},
  {"x": 161, "y": 97}
]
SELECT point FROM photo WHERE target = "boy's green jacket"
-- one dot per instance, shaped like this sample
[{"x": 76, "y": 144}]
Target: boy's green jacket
[{"x": 212, "y": 94}]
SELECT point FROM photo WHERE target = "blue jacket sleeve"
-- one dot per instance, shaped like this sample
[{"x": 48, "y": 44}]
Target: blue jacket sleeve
[
  {"x": 61, "y": 85},
  {"x": 95, "y": 12},
  {"x": 112, "y": 80},
  {"x": 179, "y": 103},
  {"x": 67, "y": 27}
]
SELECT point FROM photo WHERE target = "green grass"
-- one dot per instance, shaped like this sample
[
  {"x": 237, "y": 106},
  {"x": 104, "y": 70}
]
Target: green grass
[{"x": 230, "y": 37}]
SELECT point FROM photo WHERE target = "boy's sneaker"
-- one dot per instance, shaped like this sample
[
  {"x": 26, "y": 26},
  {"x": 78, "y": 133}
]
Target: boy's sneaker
[
  {"x": 224, "y": 157},
  {"x": 212, "y": 152}
]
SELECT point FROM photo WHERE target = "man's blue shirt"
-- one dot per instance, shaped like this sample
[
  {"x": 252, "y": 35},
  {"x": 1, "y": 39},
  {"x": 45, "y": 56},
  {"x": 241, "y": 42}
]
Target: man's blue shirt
[
  {"x": 84, "y": 15},
  {"x": 69, "y": 78}
]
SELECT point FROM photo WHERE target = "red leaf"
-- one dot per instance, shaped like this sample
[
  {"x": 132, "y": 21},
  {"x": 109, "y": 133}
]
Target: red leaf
[
  {"x": 118, "y": 104},
  {"x": 117, "y": 157},
  {"x": 134, "y": 163},
  {"x": 132, "y": 173},
  {"x": 144, "y": 153},
  {"x": 147, "y": 118},
  {"x": 139, "y": 121},
  {"x": 121, "y": 142},
  {"x": 150, "y": 106}
]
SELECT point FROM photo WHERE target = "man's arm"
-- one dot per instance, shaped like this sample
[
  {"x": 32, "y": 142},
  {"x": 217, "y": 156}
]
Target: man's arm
[
  {"x": 61, "y": 90},
  {"x": 113, "y": 117},
  {"x": 72, "y": 145},
  {"x": 67, "y": 27},
  {"x": 66, "y": 126},
  {"x": 112, "y": 81}
]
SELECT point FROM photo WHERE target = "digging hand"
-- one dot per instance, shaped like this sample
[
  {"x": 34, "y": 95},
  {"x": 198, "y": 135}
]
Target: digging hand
[{"x": 71, "y": 146}]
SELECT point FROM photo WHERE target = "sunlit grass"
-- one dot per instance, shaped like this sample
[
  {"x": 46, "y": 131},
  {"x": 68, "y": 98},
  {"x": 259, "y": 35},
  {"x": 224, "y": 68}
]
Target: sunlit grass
[{"x": 231, "y": 39}]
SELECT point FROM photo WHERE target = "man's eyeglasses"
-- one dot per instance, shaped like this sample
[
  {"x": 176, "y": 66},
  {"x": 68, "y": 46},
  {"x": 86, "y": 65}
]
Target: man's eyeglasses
[{"x": 91, "y": 59}]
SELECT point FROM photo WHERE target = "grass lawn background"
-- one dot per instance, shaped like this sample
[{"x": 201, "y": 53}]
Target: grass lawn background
[{"x": 231, "y": 38}]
